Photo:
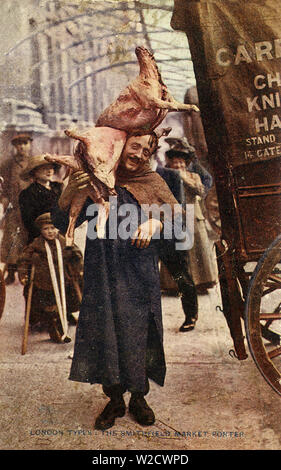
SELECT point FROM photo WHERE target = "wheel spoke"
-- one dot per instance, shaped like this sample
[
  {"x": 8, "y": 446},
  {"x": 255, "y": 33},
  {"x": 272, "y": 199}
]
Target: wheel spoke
[
  {"x": 263, "y": 306},
  {"x": 272, "y": 288},
  {"x": 274, "y": 353},
  {"x": 270, "y": 316}
]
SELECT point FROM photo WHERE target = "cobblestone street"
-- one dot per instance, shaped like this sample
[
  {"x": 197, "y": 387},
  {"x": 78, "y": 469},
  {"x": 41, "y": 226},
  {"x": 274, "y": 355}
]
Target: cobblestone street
[{"x": 210, "y": 400}]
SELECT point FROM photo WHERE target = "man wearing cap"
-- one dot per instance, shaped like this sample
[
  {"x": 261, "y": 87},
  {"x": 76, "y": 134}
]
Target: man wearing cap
[
  {"x": 41, "y": 195},
  {"x": 14, "y": 234}
]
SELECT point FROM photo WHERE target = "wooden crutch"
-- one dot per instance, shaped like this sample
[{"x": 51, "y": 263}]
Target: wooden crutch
[
  {"x": 2, "y": 293},
  {"x": 27, "y": 312}
]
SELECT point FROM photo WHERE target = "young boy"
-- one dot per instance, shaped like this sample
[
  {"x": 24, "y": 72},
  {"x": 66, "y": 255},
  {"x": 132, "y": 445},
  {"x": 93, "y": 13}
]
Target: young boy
[{"x": 57, "y": 279}]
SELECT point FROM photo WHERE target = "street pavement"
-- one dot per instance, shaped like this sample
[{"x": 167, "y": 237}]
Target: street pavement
[{"x": 210, "y": 400}]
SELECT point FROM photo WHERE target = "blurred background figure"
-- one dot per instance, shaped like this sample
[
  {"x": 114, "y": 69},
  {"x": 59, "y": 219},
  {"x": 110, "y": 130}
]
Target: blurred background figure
[
  {"x": 194, "y": 131},
  {"x": 197, "y": 181},
  {"x": 174, "y": 271},
  {"x": 42, "y": 194},
  {"x": 14, "y": 233}
]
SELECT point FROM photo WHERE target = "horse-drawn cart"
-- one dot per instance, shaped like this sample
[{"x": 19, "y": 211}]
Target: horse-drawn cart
[{"x": 236, "y": 52}]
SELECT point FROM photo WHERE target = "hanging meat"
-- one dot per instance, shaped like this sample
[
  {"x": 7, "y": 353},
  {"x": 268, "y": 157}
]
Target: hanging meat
[
  {"x": 140, "y": 108},
  {"x": 97, "y": 153},
  {"x": 145, "y": 102}
]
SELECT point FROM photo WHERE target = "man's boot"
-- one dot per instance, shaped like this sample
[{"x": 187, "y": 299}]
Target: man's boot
[
  {"x": 188, "y": 325},
  {"x": 176, "y": 263},
  {"x": 189, "y": 302},
  {"x": 116, "y": 408},
  {"x": 140, "y": 410}
]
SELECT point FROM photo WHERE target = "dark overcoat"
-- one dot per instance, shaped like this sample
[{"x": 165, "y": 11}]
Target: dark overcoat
[{"x": 119, "y": 337}]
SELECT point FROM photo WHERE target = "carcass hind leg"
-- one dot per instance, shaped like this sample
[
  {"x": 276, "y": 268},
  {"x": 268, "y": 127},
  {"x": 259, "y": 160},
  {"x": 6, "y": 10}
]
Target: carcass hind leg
[
  {"x": 185, "y": 107},
  {"x": 102, "y": 218},
  {"x": 75, "y": 208},
  {"x": 69, "y": 236},
  {"x": 174, "y": 105},
  {"x": 170, "y": 104}
]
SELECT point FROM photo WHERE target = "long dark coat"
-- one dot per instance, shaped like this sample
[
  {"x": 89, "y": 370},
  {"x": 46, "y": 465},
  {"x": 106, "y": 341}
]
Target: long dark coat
[{"x": 119, "y": 337}]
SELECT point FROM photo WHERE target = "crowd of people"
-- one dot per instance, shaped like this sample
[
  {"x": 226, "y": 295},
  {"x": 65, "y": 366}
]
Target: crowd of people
[
  {"x": 119, "y": 335},
  {"x": 30, "y": 240}
]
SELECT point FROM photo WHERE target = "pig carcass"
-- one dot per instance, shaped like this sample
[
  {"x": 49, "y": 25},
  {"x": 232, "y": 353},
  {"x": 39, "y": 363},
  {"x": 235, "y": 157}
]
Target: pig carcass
[
  {"x": 145, "y": 102},
  {"x": 98, "y": 154},
  {"x": 140, "y": 108}
]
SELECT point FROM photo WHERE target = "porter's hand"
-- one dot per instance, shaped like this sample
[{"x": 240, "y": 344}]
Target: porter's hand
[
  {"x": 78, "y": 180},
  {"x": 143, "y": 235}
]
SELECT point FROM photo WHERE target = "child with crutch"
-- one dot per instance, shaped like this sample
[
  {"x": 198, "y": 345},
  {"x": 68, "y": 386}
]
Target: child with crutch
[{"x": 56, "y": 280}]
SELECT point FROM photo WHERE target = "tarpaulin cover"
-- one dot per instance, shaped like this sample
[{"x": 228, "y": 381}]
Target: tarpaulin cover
[{"x": 236, "y": 51}]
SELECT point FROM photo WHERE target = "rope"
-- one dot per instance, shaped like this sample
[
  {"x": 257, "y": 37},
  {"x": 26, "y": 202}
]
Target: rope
[{"x": 60, "y": 297}]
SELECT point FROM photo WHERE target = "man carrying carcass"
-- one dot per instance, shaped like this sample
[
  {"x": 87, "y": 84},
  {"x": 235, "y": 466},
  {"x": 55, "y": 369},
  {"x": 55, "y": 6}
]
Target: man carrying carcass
[{"x": 119, "y": 338}]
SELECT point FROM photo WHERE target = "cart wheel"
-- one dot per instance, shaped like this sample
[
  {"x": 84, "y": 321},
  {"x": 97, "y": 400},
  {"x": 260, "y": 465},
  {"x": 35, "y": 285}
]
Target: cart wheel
[
  {"x": 263, "y": 315},
  {"x": 2, "y": 293}
]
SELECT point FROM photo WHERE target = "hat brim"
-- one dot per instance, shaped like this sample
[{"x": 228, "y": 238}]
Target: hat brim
[
  {"x": 41, "y": 223},
  {"x": 21, "y": 140},
  {"x": 43, "y": 219},
  {"x": 26, "y": 174},
  {"x": 179, "y": 154}
]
